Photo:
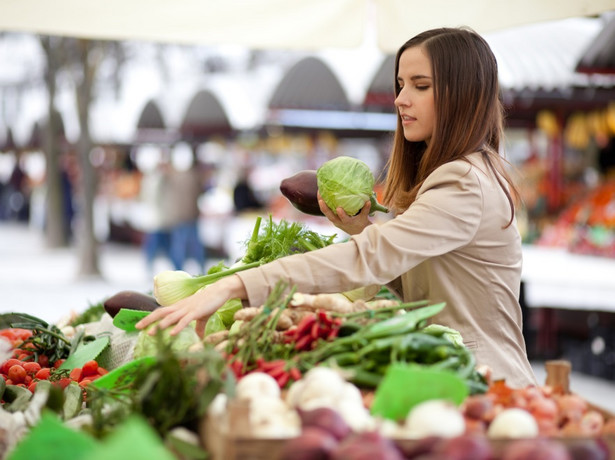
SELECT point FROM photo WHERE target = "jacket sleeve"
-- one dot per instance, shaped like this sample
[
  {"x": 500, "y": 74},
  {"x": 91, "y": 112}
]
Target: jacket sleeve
[{"x": 443, "y": 218}]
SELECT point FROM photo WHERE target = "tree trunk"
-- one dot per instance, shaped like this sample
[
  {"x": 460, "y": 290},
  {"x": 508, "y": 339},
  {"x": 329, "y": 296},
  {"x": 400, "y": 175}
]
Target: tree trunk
[
  {"x": 56, "y": 226},
  {"x": 88, "y": 246}
]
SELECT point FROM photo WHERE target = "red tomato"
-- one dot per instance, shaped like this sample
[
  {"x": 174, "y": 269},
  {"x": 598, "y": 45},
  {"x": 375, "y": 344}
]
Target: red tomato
[
  {"x": 31, "y": 367},
  {"x": 32, "y": 386},
  {"x": 58, "y": 363},
  {"x": 64, "y": 382},
  {"x": 8, "y": 364},
  {"x": 43, "y": 374},
  {"x": 102, "y": 371},
  {"x": 90, "y": 368},
  {"x": 43, "y": 360},
  {"x": 17, "y": 373},
  {"x": 76, "y": 374},
  {"x": 84, "y": 383}
]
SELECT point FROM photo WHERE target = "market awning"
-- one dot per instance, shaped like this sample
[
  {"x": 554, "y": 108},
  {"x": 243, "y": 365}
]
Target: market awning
[
  {"x": 309, "y": 84},
  {"x": 204, "y": 116},
  {"x": 300, "y": 24},
  {"x": 152, "y": 128},
  {"x": 600, "y": 54}
]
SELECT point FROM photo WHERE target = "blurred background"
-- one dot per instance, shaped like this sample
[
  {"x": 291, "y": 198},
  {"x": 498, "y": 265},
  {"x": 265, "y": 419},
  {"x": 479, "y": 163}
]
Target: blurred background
[{"x": 128, "y": 128}]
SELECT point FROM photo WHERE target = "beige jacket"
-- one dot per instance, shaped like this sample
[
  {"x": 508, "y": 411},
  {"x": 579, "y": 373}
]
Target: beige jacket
[{"x": 450, "y": 245}]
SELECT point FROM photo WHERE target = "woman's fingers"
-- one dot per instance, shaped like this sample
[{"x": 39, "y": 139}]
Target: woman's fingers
[{"x": 153, "y": 317}]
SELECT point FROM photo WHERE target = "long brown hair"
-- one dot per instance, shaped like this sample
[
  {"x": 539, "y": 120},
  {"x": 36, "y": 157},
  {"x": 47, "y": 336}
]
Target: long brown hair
[{"x": 469, "y": 115}]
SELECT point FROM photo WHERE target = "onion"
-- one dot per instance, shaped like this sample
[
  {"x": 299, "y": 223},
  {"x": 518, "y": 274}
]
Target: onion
[
  {"x": 312, "y": 444},
  {"x": 513, "y": 423},
  {"x": 435, "y": 417},
  {"x": 465, "y": 447},
  {"x": 369, "y": 445},
  {"x": 528, "y": 449},
  {"x": 326, "y": 419}
]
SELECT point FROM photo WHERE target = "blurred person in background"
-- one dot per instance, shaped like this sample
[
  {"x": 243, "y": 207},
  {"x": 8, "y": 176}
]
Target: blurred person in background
[
  {"x": 15, "y": 195},
  {"x": 185, "y": 186},
  {"x": 153, "y": 196},
  {"x": 244, "y": 197}
]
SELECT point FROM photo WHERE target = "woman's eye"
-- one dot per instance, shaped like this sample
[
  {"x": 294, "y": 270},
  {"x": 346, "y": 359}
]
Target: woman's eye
[{"x": 422, "y": 87}]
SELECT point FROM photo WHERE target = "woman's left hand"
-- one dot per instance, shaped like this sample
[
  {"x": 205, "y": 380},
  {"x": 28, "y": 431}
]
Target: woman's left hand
[{"x": 353, "y": 225}]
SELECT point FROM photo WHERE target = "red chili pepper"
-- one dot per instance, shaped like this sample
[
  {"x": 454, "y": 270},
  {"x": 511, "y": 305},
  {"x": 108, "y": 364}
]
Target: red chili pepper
[
  {"x": 324, "y": 318},
  {"x": 283, "y": 379},
  {"x": 237, "y": 368},
  {"x": 315, "y": 330},
  {"x": 270, "y": 365},
  {"x": 304, "y": 342},
  {"x": 260, "y": 361},
  {"x": 294, "y": 373},
  {"x": 305, "y": 324},
  {"x": 332, "y": 333},
  {"x": 291, "y": 331},
  {"x": 276, "y": 372}
]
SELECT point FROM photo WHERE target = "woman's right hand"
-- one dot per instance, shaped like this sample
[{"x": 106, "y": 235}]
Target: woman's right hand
[
  {"x": 353, "y": 225},
  {"x": 197, "y": 307}
]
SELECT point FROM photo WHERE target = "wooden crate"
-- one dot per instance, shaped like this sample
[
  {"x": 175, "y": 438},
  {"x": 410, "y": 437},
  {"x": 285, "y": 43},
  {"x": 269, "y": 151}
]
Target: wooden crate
[{"x": 230, "y": 438}]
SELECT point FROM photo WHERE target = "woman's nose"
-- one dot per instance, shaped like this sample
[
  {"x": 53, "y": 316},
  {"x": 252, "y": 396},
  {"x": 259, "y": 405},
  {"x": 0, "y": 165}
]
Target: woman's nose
[{"x": 402, "y": 99}]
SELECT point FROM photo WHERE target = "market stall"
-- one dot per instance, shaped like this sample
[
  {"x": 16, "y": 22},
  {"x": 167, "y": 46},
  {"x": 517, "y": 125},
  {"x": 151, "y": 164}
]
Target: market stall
[{"x": 302, "y": 376}]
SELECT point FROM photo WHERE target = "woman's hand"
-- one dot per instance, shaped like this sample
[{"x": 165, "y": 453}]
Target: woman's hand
[
  {"x": 199, "y": 306},
  {"x": 353, "y": 225}
]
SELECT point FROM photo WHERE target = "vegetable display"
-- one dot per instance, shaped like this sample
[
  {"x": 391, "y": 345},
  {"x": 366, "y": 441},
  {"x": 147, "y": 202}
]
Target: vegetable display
[
  {"x": 303, "y": 376},
  {"x": 347, "y": 183}
]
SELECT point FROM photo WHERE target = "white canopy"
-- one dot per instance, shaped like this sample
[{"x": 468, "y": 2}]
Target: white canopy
[{"x": 295, "y": 24}]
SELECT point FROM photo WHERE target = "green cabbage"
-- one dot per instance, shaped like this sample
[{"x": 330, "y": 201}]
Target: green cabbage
[
  {"x": 223, "y": 318},
  {"x": 347, "y": 183}
]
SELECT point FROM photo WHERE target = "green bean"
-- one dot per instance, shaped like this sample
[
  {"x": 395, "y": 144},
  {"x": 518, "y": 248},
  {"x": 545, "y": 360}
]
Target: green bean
[
  {"x": 402, "y": 324},
  {"x": 363, "y": 378}
]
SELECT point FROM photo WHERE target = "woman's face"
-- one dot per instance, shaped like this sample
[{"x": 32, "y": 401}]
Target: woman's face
[{"x": 415, "y": 102}]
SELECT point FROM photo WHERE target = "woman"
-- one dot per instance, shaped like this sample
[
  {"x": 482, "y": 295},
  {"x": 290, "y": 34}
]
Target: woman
[{"x": 454, "y": 236}]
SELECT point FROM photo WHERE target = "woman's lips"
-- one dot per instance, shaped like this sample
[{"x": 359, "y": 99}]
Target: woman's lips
[{"x": 407, "y": 119}]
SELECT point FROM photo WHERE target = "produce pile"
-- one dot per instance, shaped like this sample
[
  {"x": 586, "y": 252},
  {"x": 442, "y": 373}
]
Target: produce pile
[
  {"x": 587, "y": 226},
  {"x": 346, "y": 375}
]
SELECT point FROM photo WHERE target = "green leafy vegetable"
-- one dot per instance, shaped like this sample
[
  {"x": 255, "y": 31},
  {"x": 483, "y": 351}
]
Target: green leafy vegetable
[
  {"x": 146, "y": 344},
  {"x": 281, "y": 239},
  {"x": 223, "y": 318},
  {"x": 85, "y": 352},
  {"x": 347, "y": 183}
]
